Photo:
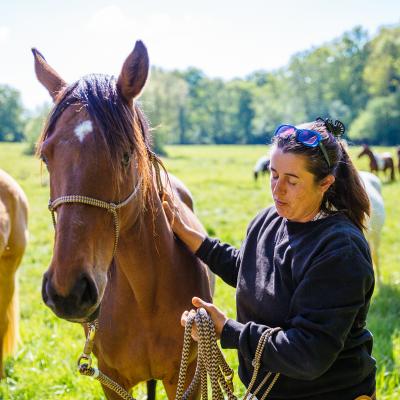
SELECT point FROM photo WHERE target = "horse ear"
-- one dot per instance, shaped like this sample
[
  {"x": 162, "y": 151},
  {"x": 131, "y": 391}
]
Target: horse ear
[
  {"x": 47, "y": 76},
  {"x": 134, "y": 72}
]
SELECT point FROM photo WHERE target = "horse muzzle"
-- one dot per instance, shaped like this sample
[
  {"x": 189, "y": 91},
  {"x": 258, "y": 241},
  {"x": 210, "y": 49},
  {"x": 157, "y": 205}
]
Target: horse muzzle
[{"x": 81, "y": 304}]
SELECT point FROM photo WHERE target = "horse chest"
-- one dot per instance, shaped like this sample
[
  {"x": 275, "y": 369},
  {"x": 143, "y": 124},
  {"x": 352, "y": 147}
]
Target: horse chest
[
  {"x": 141, "y": 348},
  {"x": 380, "y": 162}
]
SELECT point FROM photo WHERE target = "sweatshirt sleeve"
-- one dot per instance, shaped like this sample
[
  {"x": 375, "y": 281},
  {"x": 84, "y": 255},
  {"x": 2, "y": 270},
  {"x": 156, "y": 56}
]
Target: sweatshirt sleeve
[
  {"x": 223, "y": 259},
  {"x": 324, "y": 307}
]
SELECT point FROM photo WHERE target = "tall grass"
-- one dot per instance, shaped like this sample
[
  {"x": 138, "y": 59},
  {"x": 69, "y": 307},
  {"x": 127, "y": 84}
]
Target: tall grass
[{"x": 226, "y": 198}]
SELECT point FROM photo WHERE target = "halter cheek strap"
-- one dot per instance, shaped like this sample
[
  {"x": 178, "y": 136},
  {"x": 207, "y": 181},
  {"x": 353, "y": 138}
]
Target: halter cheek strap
[{"x": 109, "y": 206}]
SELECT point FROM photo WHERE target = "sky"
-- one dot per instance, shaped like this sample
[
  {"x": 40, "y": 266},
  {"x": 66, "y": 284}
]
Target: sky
[{"x": 224, "y": 38}]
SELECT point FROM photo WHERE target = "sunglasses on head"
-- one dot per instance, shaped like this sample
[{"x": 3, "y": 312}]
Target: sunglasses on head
[{"x": 307, "y": 137}]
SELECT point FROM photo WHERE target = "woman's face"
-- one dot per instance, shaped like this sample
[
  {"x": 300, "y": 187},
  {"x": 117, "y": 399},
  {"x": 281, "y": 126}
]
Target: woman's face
[{"x": 296, "y": 195}]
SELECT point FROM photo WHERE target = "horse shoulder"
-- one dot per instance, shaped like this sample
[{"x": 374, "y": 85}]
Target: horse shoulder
[
  {"x": 14, "y": 213},
  {"x": 373, "y": 188},
  {"x": 185, "y": 203},
  {"x": 5, "y": 227},
  {"x": 179, "y": 189}
]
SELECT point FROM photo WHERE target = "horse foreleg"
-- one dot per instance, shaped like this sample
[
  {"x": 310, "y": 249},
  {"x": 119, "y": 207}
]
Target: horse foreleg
[
  {"x": 112, "y": 374},
  {"x": 9, "y": 308},
  {"x": 375, "y": 260},
  {"x": 170, "y": 385},
  {"x": 374, "y": 247},
  {"x": 151, "y": 389},
  {"x": 110, "y": 393}
]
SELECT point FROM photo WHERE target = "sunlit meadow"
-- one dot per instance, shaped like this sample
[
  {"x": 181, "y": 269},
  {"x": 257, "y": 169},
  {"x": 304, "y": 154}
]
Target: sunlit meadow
[{"x": 226, "y": 198}]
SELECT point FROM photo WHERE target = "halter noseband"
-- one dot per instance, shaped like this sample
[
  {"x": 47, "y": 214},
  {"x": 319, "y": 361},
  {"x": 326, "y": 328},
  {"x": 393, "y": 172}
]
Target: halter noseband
[{"x": 110, "y": 207}]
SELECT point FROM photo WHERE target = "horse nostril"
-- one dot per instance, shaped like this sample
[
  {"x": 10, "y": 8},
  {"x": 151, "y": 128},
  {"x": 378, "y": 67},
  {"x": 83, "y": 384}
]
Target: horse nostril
[
  {"x": 86, "y": 292},
  {"x": 45, "y": 296},
  {"x": 77, "y": 303}
]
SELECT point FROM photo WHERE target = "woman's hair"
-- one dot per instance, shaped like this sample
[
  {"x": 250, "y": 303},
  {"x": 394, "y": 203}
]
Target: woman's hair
[{"x": 347, "y": 193}]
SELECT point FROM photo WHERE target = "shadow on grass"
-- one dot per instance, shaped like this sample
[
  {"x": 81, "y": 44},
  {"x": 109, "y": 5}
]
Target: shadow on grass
[{"x": 384, "y": 323}]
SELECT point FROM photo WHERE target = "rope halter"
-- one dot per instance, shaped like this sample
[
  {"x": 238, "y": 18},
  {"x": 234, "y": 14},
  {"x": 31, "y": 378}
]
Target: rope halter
[{"x": 109, "y": 206}]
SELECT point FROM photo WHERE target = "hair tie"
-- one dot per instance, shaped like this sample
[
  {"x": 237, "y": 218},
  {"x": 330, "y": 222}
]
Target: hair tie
[{"x": 336, "y": 128}]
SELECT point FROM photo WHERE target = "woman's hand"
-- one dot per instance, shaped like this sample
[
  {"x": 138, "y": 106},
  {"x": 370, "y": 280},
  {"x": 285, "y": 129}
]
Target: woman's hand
[
  {"x": 218, "y": 317},
  {"x": 192, "y": 238},
  {"x": 173, "y": 215}
]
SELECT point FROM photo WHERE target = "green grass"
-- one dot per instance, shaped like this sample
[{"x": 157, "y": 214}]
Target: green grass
[{"x": 226, "y": 198}]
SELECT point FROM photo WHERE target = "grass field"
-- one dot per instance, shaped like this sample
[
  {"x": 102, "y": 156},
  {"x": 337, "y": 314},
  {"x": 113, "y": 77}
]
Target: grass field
[{"x": 226, "y": 198}]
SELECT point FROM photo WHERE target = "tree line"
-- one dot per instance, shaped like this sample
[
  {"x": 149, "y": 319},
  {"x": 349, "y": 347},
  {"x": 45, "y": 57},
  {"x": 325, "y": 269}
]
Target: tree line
[{"x": 353, "y": 78}]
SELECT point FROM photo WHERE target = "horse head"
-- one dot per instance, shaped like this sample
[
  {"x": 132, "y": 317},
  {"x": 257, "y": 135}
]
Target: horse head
[
  {"x": 365, "y": 151},
  {"x": 95, "y": 148}
]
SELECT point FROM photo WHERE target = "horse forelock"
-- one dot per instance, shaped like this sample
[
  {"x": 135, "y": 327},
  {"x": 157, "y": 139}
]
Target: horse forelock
[{"x": 121, "y": 128}]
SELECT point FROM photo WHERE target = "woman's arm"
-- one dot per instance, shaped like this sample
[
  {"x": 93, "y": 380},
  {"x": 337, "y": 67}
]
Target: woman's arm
[
  {"x": 333, "y": 293},
  {"x": 223, "y": 259}
]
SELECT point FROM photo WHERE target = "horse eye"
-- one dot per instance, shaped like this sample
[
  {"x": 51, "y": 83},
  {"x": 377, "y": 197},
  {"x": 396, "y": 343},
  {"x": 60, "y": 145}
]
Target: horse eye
[
  {"x": 126, "y": 159},
  {"x": 44, "y": 159}
]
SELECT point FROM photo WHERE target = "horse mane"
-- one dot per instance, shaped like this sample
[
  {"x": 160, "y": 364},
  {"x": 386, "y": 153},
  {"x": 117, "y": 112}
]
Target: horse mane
[{"x": 122, "y": 128}]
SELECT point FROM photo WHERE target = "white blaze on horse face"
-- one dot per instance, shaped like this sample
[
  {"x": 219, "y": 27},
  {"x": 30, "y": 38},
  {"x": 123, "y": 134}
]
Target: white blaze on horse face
[{"x": 83, "y": 129}]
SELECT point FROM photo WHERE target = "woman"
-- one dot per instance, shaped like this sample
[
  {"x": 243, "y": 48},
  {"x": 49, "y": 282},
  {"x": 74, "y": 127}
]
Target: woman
[{"x": 305, "y": 267}]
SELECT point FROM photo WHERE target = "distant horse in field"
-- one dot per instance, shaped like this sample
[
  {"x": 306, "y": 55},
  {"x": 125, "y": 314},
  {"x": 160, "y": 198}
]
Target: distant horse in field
[
  {"x": 398, "y": 157},
  {"x": 115, "y": 256},
  {"x": 261, "y": 167},
  {"x": 13, "y": 239},
  {"x": 379, "y": 162},
  {"x": 377, "y": 218}
]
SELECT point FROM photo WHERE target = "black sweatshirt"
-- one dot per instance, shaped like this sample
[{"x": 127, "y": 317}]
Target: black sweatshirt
[{"x": 314, "y": 280}]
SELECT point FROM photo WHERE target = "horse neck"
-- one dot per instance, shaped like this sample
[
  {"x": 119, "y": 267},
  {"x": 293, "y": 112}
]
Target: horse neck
[
  {"x": 372, "y": 158},
  {"x": 145, "y": 251}
]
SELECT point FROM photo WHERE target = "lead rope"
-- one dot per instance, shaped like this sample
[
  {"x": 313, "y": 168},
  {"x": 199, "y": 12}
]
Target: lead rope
[{"x": 211, "y": 362}]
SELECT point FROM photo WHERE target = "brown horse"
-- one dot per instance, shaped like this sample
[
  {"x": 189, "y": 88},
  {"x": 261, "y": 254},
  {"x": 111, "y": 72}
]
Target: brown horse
[
  {"x": 13, "y": 239},
  {"x": 124, "y": 267},
  {"x": 379, "y": 162},
  {"x": 398, "y": 156}
]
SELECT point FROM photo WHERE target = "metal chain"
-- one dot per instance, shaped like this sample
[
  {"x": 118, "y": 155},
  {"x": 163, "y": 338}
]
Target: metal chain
[{"x": 211, "y": 362}]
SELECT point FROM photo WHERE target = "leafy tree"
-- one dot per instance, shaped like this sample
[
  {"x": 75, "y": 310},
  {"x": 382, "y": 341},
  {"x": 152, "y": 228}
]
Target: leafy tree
[
  {"x": 379, "y": 123},
  {"x": 11, "y": 115},
  {"x": 34, "y": 126},
  {"x": 163, "y": 102},
  {"x": 382, "y": 71},
  {"x": 351, "y": 78}
]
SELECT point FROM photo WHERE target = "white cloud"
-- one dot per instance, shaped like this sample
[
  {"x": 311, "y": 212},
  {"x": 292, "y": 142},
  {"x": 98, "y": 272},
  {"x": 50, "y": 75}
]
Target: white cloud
[
  {"x": 108, "y": 20},
  {"x": 4, "y": 34},
  {"x": 173, "y": 41},
  {"x": 112, "y": 23}
]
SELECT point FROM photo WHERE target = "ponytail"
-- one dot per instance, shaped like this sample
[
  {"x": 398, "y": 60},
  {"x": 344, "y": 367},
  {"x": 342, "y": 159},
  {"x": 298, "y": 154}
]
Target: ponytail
[{"x": 347, "y": 193}]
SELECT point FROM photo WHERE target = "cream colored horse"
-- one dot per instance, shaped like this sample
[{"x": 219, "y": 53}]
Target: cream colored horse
[
  {"x": 377, "y": 218},
  {"x": 13, "y": 239}
]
